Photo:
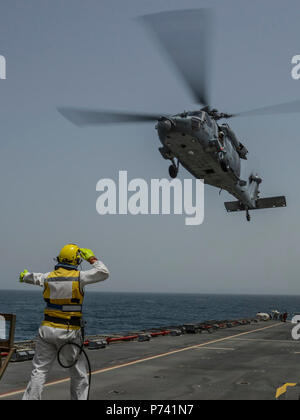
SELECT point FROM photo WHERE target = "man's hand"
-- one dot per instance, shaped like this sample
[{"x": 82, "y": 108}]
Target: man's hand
[
  {"x": 88, "y": 255},
  {"x": 22, "y": 276}
]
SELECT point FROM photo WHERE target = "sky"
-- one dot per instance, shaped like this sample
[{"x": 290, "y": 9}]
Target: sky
[{"x": 96, "y": 54}]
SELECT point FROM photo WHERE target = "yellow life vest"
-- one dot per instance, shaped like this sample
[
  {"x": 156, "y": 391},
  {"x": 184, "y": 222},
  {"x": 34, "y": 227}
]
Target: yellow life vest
[{"x": 64, "y": 299}]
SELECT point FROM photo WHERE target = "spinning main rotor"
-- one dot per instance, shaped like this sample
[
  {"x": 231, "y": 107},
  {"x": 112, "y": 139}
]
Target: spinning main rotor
[{"x": 185, "y": 36}]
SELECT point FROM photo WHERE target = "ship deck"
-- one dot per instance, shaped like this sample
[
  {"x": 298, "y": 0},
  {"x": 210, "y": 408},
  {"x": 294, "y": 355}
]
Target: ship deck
[{"x": 247, "y": 362}]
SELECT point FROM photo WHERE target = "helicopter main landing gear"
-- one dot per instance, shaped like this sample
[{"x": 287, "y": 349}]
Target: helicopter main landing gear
[
  {"x": 168, "y": 155},
  {"x": 248, "y": 215},
  {"x": 223, "y": 162},
  {"x": 173, "y": 169}
]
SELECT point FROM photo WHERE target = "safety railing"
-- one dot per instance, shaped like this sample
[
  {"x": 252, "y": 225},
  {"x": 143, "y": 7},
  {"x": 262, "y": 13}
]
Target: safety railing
[{"x": 7, "y": 335}]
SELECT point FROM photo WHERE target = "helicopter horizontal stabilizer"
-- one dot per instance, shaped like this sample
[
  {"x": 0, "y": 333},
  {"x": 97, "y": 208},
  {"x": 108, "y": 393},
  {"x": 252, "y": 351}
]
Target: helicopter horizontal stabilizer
[
  {"x": 234, "y": 206},
  {"x": 261, "y": 203},
  {"x": 270, "y": 202}
]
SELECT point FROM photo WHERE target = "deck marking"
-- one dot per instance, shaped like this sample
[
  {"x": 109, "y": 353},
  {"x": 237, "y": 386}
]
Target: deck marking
[
  {"x": 265, "y": 339},
  {"x": 218, "y": 348},
  {"x": 157, "y": 356},
  {"x": 283, "y": 389}
]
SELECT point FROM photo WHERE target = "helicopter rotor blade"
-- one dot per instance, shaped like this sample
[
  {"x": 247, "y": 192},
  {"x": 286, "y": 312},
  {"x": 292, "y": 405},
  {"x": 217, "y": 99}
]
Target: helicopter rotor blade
[
  {"x": 185, "y": 36},
  {"x": 84, "y": 117},
  {"x": 284, "y": 108}
]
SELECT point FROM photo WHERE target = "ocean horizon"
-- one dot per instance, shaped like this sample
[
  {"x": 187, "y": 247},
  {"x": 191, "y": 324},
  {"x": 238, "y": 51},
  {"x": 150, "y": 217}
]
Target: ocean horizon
[{"x": 120, "y": 312}]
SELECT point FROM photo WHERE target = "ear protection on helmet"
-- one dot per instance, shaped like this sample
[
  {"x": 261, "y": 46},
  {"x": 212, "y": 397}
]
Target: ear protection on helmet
[{"x": 70, "y": 254}]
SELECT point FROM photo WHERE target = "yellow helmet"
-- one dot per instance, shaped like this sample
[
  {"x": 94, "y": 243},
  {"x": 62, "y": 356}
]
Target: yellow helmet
[{"x": 70, "y": 254}]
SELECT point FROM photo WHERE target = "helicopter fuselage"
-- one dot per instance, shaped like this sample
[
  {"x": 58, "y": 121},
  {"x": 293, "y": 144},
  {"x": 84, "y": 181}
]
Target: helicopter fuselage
[{"x": 207, "y": 150}]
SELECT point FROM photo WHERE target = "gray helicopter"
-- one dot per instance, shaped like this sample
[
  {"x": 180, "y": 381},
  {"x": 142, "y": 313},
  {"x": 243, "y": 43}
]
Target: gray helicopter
[{"x": 208, "y": 149}]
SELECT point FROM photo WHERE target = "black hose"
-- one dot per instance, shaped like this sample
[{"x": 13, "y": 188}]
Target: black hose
[{"x": 80, "y": 347}]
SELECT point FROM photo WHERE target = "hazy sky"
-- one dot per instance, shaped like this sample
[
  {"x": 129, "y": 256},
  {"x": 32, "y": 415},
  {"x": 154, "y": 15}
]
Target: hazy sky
[{"x": 95, "y": 54}]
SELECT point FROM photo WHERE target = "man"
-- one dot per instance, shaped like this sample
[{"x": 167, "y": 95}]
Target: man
[{"x": 63, "y": 294}]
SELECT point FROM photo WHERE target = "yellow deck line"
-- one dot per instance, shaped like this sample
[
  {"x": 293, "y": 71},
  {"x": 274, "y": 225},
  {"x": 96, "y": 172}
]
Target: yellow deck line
[
  {"x": 157, "y": 356},
  {"x": 282, "y": 390}
]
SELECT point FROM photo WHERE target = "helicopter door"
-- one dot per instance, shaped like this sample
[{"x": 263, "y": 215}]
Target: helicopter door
[{"x": 210, "y": 125}]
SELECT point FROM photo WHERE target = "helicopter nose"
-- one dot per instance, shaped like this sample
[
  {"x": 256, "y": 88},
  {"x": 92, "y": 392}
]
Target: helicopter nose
[{"x": 165, "y": 124}]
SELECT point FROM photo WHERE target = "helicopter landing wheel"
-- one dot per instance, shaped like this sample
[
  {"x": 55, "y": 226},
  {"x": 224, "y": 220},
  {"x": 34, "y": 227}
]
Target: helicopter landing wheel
[
  {"x": 173, "y": 171},
  {"x": 224, "y": 166},
  {"x": 248, "y": 216}
]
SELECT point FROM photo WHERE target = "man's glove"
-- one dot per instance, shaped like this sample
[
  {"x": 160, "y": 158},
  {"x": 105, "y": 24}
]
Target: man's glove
[
  {"x": 87, "y": 254},
  {"x": 22, "y": 275}
]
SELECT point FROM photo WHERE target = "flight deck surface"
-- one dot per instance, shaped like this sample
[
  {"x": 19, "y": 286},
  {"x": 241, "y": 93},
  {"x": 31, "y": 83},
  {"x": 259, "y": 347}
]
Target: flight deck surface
[{"x": 247, "y": 362}]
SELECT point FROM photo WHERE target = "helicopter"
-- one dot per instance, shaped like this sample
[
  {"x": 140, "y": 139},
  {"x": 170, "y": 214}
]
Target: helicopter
[{"x": 196, "y": 140}]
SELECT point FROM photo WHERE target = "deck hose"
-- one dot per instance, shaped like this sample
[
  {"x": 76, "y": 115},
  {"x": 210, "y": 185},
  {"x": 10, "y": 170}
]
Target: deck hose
[{"x": 73, "y": 363}]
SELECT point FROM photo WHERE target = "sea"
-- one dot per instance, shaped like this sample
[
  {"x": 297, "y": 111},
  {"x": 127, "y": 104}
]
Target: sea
[{"x": 108, "y": 313}]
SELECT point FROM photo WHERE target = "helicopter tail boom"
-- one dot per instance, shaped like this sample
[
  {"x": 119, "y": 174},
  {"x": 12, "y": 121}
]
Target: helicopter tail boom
[{"x": 249, "y": 199}]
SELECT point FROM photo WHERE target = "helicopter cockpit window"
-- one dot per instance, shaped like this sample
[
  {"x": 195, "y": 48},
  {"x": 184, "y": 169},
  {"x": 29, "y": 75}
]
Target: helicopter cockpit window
[
  {"x": 208, "y": 120},
  {"x": 196, "y": 114},
  {"x": 196, "y": 123}
]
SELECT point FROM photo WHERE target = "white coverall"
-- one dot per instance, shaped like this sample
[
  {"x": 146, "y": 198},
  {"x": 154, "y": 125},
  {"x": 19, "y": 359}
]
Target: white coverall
[{"x": 51, "y": 339}]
